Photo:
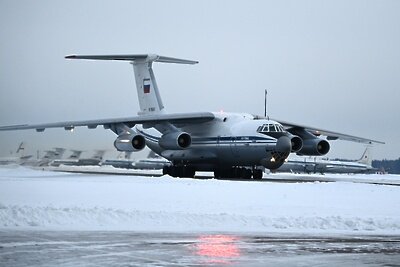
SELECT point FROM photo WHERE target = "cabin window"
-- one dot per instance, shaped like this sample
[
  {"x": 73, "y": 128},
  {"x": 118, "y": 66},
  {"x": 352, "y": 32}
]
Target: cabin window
[{"x": 272, "y": 128}]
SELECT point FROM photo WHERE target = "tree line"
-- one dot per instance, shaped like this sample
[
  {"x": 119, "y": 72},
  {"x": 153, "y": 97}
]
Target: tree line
[{"x": 390, "y": 166}]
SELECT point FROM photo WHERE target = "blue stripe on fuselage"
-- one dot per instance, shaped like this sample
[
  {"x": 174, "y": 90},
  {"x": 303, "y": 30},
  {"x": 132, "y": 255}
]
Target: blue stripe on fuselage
[{"x": 219, "y": 140}]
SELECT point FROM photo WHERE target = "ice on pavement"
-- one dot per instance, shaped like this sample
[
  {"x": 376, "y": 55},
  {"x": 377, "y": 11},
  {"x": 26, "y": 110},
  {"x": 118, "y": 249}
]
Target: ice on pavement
[{"x": 33, "y": 199}]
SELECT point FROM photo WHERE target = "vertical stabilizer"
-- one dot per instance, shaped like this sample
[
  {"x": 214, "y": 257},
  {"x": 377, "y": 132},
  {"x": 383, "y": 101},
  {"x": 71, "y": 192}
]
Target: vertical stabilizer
[
  {"x": 21, "y": 149},
  {"x": 148, "y": 94},
  {"x": 366, "y": 157},
  {"x": 76, "y": 154},
  {"x": 99, "y": 154}
]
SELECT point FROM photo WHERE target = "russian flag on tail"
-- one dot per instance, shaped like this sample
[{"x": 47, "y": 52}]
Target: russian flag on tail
[{"x": 146, "y": 86}]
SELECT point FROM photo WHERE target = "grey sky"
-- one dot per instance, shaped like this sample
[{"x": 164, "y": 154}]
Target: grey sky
[{"x": 329, "y": 64}]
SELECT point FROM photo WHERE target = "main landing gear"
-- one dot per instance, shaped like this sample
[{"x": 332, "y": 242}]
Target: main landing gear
[
  {"x": 239, "y": 172},
  {"x": 227, "y": 173},
  {"x": 179, "y": 171}
]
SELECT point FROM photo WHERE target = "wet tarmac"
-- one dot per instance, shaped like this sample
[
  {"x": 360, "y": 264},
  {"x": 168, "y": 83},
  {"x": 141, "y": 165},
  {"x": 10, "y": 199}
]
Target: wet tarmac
[{"x": 114, "y": 248}]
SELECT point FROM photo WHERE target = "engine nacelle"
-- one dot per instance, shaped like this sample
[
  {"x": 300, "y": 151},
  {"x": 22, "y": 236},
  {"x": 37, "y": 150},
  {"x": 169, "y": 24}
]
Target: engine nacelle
[
  {"x": 314, "y": 147},
  {"x": 175, "y": 140},
  {"x": 130, "y": 142},
  {"x": 297, "y": 143}
]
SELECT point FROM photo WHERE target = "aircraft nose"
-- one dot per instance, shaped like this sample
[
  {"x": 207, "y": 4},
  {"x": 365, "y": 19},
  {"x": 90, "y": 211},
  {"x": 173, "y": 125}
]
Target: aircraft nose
[
  {"x": 282, "y": 149},
  {"x": 278, "y": 155},
  {"x": 283, "y": 145}
]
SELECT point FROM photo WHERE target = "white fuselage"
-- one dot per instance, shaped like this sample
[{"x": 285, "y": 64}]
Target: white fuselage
[{"x": 231, "y": 139}]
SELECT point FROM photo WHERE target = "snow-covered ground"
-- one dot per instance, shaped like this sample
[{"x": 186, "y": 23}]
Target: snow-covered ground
[
  {"x": 45, "y": 200},
  {"x": 385, "y": 179}
]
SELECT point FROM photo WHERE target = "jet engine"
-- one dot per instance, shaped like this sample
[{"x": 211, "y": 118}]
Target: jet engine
[
  {"x": 312, "y": 145},
  {"x": 297, "y": 143},
  {"x": 130, "y": 142},
  {"x": 175, "y": 140}
]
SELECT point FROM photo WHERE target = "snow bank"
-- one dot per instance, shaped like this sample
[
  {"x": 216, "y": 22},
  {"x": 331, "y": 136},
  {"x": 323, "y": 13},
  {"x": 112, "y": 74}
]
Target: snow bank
[{"x": 58, "y": 201}]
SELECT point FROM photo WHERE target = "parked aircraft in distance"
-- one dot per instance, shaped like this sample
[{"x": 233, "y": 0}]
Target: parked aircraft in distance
[
  {"x": 75, "y": 160},
  {"x": 48, "y": 157},
  {"x": 230, "y": 144},
  {"x": 317, "y": 165},
  {"x": 152, "y": 162},
  {"x": 20, "y": 158},
  {"x": 125, "y": 163}
]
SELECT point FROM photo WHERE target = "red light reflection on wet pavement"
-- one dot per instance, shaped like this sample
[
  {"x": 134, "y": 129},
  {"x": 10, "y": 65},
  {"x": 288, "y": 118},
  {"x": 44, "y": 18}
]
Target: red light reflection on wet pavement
[{"x": 217, "y": 248}]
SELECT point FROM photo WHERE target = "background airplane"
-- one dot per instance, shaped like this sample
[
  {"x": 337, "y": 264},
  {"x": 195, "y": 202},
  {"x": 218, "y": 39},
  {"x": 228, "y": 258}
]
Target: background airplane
[
  {"x": 230, "y": 144},
  {"x": 18, "y": 159},
  {"x": 48, "y": 157},
  {"x": 75, "y": 160},
  {"x": 300, "y": 164}
]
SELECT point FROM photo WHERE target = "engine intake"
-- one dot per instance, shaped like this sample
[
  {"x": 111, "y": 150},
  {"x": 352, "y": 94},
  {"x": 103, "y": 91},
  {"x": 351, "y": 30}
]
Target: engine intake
[
  {"x": 130, "y": 142},
  {"x": 297, "y": 143},
  {"x": 175, "y": 140}
]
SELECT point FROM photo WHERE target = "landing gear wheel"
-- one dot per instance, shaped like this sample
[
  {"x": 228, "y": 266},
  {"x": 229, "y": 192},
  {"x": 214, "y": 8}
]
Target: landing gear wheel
[
  {"x": 257, "y": 174},
  {"x": 188, "y": 172},
  {"x": 179, "y": 171},
  {"x": 166, "y": 170},
  {"x": 246, "y": 173}
]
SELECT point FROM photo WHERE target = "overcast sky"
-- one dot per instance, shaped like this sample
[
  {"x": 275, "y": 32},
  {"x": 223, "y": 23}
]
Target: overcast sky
[{"x": 329, "y": 64}]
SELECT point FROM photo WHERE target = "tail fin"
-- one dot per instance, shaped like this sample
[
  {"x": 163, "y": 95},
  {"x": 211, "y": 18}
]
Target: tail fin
[
  {"x": 149, "y": 96},
  {"x": 99, "y": 154},
  {"x": 366, "y": 157},
  {"x": 76, "y": 154},
  {"x": 21, "y": 149},
  {"x": 128, "y": 155}
]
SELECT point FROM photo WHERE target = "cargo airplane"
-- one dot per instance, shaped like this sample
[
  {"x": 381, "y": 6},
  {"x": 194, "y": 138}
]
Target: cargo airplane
[{"x": 229, "y": 144}]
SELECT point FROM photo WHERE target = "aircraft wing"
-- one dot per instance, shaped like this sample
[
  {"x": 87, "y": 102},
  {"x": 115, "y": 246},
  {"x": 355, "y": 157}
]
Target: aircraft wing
[
  {"x": 150, "y": 120},
  {"x": 329, "y": 134}
]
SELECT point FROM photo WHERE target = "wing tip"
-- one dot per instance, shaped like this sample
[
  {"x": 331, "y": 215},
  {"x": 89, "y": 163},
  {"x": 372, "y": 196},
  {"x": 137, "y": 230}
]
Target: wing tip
[{"x": 70, "y": 57}]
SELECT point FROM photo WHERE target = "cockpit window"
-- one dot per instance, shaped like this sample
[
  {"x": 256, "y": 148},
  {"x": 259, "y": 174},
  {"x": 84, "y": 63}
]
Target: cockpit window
[{"x": 270, "y": 128}]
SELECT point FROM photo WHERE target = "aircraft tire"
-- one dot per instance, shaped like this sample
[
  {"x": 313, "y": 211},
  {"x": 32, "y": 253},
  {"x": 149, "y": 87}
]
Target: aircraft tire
[
  {"x": 257, "y": 174},
  {"x": 166, "y": 170},
  {"x": 246, "y": 173},
  {"x": 187, "y": 171}
]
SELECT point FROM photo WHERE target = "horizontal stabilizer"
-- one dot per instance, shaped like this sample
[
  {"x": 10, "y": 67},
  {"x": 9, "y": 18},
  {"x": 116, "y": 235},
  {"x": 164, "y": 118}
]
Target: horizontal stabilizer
[{"x": 134, "y": 58}]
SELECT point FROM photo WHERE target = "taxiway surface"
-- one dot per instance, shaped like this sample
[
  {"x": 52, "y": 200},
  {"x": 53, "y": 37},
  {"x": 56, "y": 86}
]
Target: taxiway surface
[{"x": 93, "y": 248}]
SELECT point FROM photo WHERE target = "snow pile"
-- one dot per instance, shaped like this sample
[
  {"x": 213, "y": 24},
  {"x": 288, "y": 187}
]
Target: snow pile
[{"x": 58, "y": 201}]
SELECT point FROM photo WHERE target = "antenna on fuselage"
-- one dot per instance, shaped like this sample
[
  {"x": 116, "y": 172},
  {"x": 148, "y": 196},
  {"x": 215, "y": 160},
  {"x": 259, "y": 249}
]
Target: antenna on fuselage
[{"x": 265, "y": 104}]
